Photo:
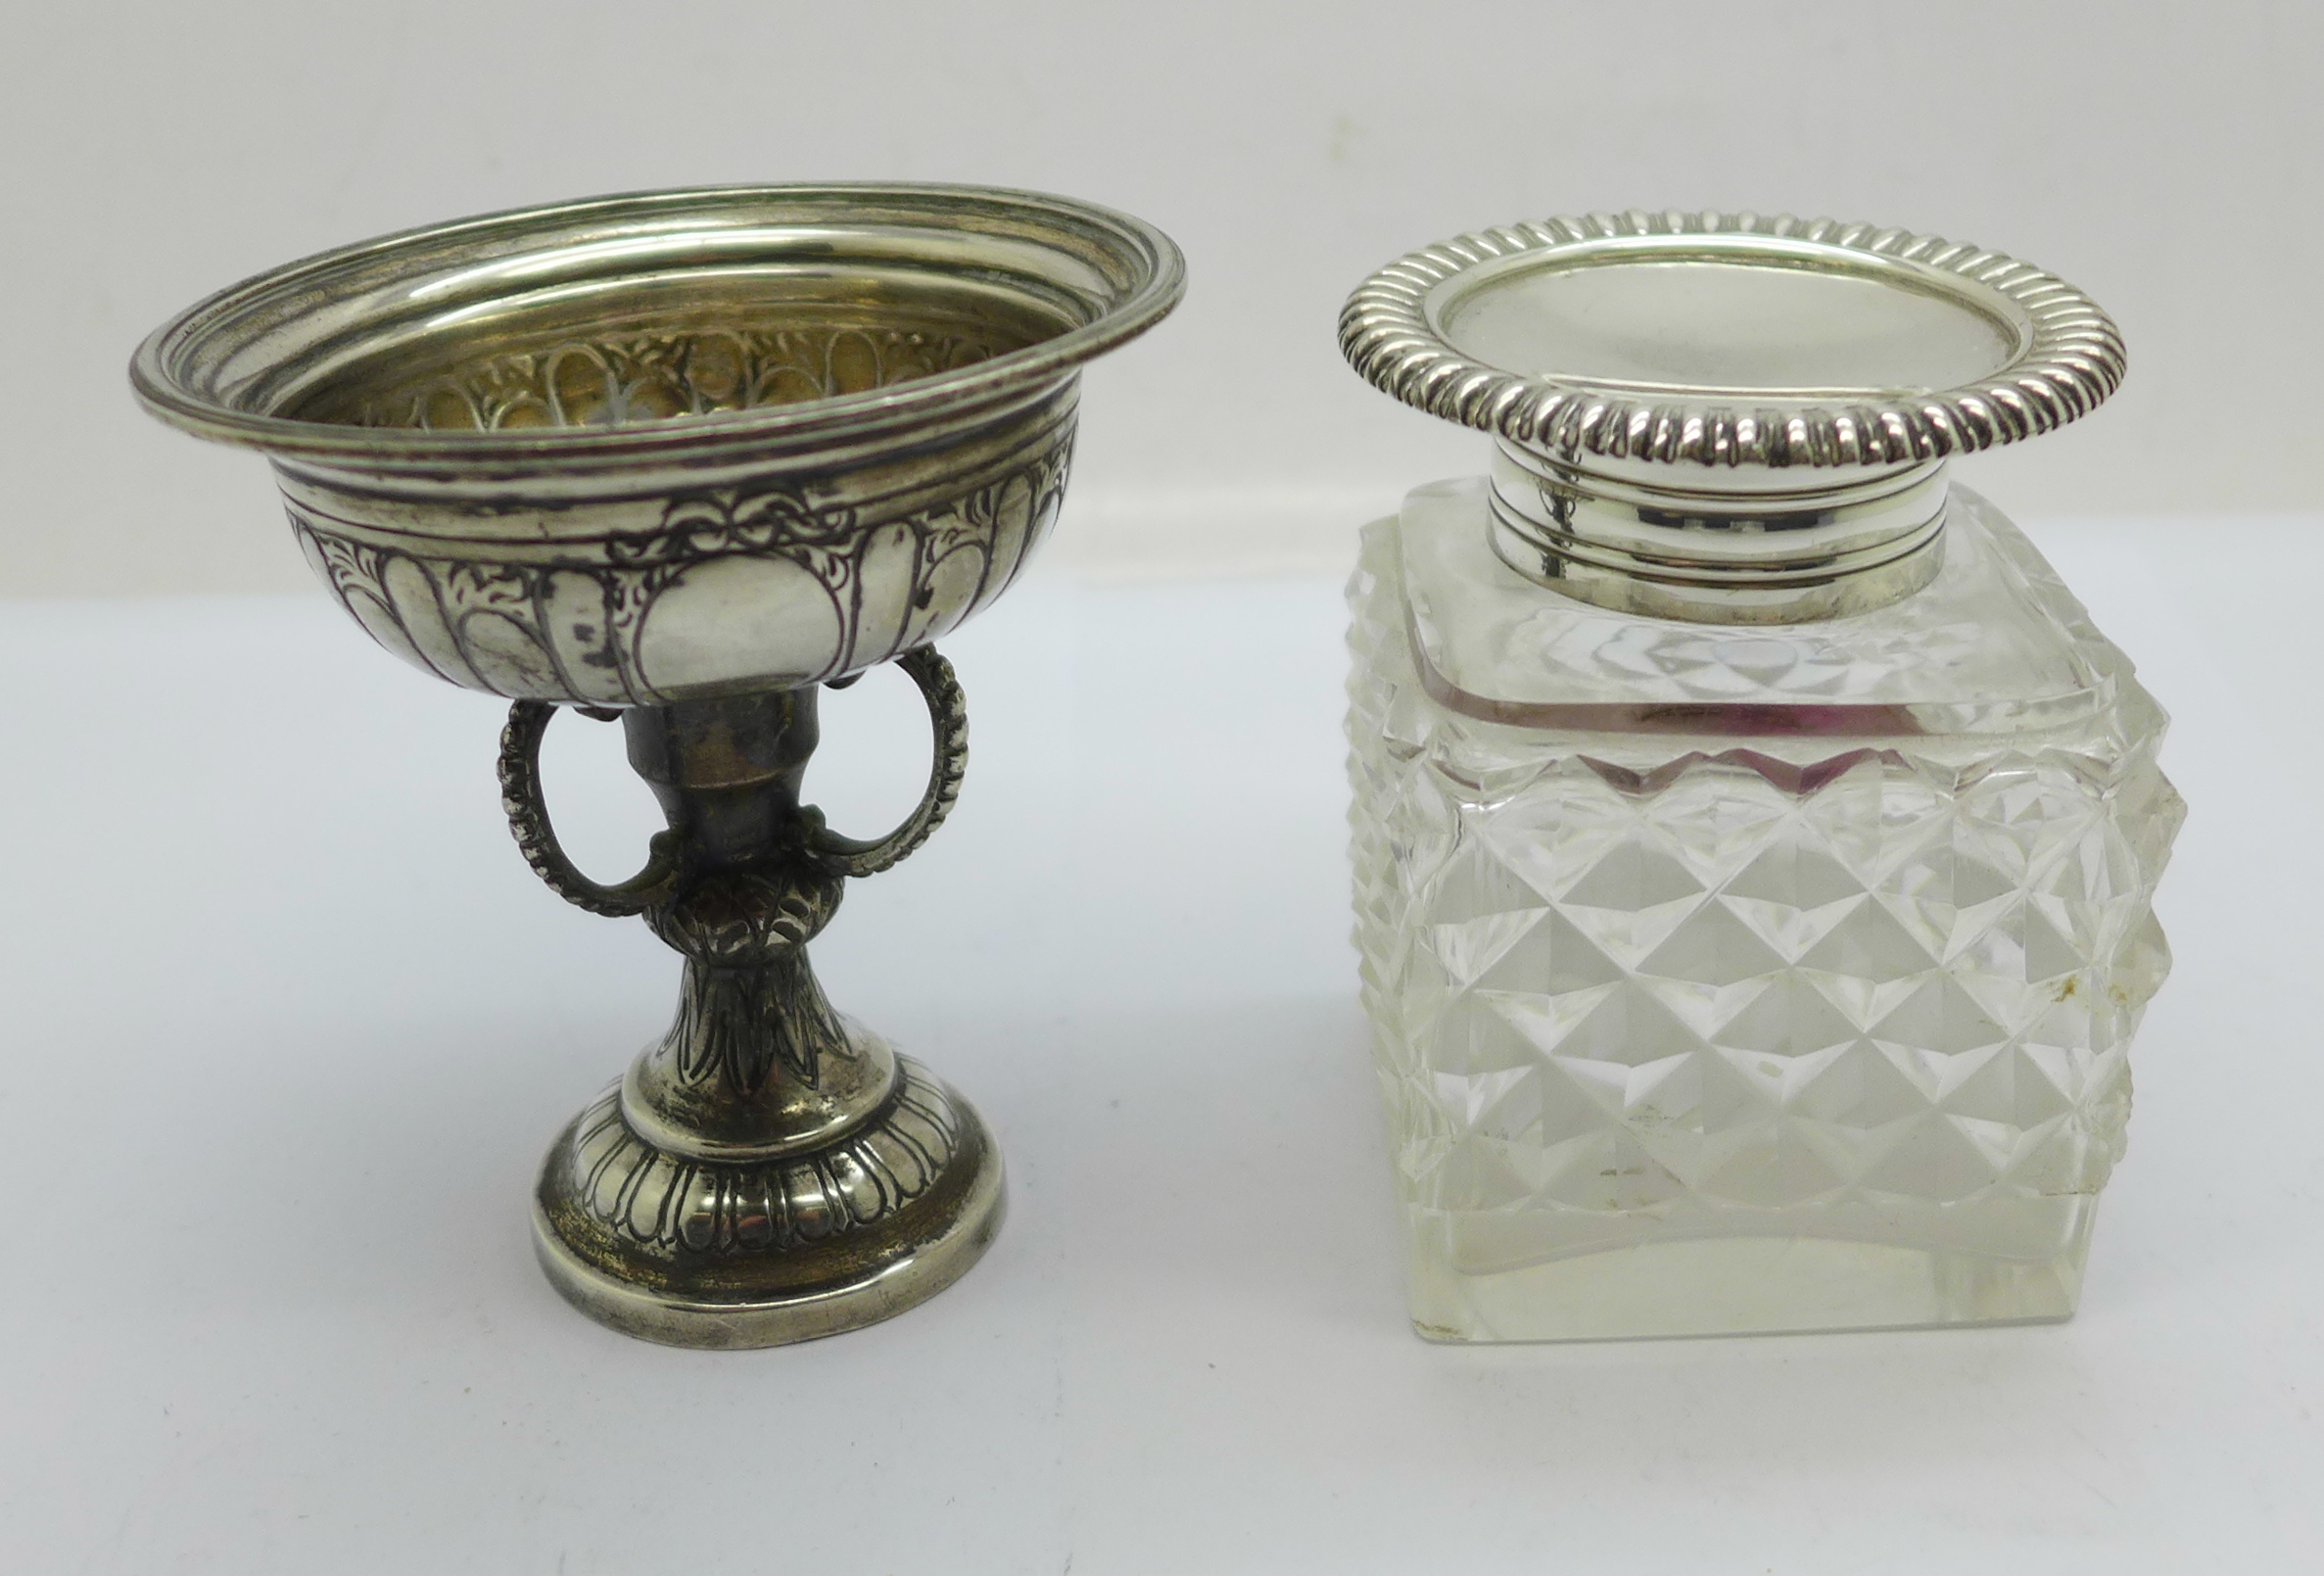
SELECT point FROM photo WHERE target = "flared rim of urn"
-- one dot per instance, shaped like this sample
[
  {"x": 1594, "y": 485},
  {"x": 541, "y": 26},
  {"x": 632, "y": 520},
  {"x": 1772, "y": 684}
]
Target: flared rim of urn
[{"x": 671, "y": 326}]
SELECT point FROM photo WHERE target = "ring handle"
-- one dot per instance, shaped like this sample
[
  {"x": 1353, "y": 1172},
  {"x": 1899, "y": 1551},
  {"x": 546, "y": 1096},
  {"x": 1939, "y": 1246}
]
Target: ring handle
[
  {"x": 948, "y": 719},
  {"x": 537, "y": 840}
]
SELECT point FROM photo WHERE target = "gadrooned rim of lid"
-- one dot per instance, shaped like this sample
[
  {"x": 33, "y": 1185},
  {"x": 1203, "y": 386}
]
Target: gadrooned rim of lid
[{"x": 2070, "y": 359}]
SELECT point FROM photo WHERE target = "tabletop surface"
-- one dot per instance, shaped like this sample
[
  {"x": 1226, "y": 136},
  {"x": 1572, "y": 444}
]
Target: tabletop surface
[{"x": 288, "y": 1025}]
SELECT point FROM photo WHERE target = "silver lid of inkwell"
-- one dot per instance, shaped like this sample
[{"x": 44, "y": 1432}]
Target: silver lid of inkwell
[{"x": 1722, "y": 417}]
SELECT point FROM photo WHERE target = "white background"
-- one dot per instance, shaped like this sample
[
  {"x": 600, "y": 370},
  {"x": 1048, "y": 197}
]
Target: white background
[
  {"x": 2161, "y": 156},
  {"x": 285, "y": 1024},
  {"x": 291, "y": 1024}
]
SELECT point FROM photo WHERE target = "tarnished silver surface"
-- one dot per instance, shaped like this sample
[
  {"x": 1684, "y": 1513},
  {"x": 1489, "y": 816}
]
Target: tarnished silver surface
[
  {"x": 682, "y": 457},
  {"x": 1725, "y": 417}
]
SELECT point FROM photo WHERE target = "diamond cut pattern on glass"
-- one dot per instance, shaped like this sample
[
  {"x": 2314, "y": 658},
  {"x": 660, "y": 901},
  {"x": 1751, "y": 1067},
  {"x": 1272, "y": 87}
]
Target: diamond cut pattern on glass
[{"x": 1644, "y": 978}]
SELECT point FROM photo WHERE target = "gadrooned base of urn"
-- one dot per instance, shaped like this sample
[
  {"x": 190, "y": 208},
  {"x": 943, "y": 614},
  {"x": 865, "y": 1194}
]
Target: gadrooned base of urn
[{"x": 686, "y": 1252}]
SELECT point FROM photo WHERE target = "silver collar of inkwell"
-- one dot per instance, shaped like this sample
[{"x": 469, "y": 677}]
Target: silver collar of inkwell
[{"x": 1726, "y": 418}]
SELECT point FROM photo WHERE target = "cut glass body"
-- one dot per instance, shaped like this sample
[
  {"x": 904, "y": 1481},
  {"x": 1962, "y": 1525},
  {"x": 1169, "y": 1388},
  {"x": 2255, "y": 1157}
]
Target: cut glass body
[{"x": 1732, "y": 979}]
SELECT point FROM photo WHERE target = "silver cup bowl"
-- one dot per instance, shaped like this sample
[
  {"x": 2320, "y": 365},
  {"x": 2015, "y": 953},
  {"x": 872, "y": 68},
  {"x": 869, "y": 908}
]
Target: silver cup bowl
[{"x": 645, "y": 448}]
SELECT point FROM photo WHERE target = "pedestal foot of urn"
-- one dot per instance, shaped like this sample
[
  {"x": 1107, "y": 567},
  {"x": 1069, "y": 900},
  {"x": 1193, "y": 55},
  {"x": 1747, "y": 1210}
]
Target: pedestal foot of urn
[
  {"x": 735, "y": 1254},
  {"x": 768, "y": 1171}
]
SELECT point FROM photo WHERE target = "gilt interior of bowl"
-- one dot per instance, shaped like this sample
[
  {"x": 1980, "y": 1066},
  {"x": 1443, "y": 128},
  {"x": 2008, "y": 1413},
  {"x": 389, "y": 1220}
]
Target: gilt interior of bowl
[{"x": 585, "y": 333}]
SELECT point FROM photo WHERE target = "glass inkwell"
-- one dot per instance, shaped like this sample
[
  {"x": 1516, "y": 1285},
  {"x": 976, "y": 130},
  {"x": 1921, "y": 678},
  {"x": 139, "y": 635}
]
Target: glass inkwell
[{"x": 1754, "y": 840}]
